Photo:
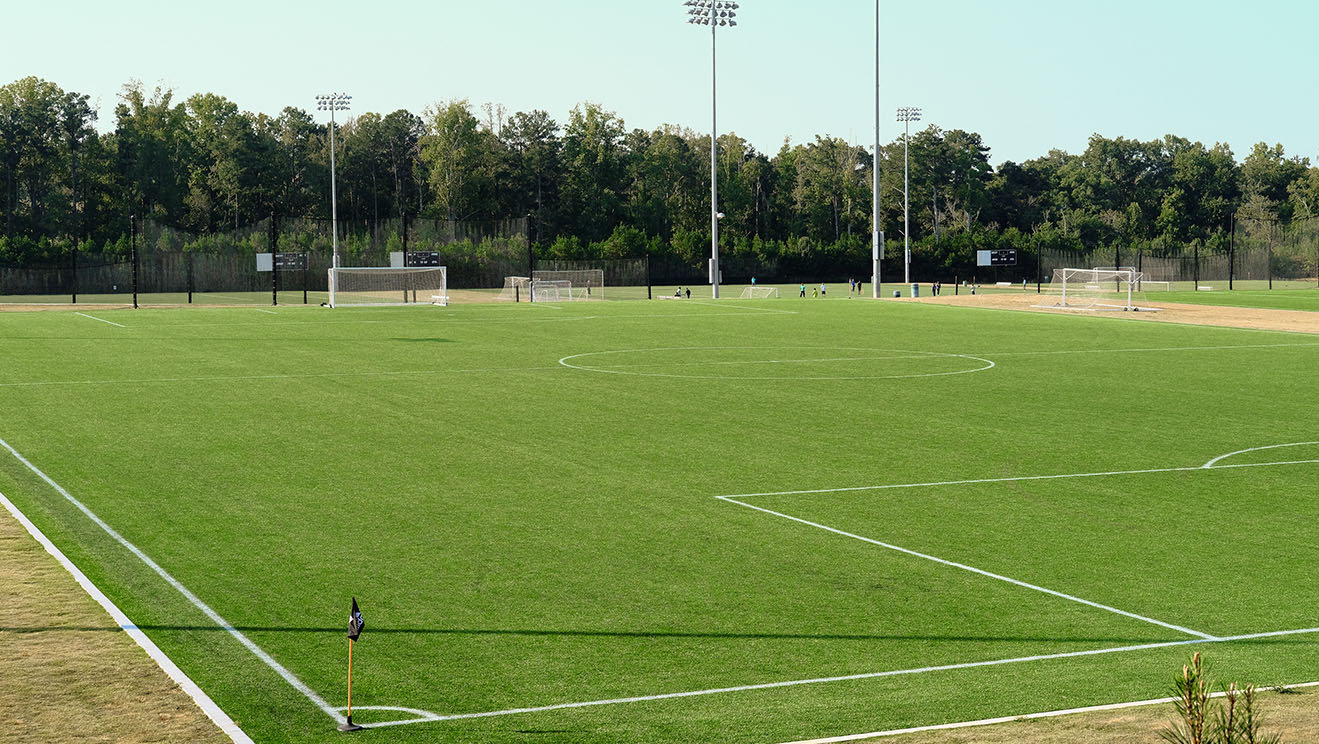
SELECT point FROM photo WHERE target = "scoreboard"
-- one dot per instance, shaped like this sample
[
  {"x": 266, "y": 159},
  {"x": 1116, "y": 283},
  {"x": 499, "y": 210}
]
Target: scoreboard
[
  {"x": 422, "y": 258},
  {"x": 1004, "y": 257}
]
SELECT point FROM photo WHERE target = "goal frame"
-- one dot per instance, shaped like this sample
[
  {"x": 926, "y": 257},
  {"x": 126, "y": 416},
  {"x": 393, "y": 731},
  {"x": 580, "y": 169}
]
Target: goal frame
[
  {"x": 759, "y": 293},
  {"x": 407, "y": 295},
  {"x": 1128, "y": 277}
]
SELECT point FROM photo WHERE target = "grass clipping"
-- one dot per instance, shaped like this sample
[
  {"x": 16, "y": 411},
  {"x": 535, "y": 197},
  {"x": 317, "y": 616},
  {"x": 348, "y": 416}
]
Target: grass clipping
[{"x": 70, "y": 674}]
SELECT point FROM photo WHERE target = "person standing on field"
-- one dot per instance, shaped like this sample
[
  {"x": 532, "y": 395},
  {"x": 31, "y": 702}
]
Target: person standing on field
[{"x": 803, "y": 290}]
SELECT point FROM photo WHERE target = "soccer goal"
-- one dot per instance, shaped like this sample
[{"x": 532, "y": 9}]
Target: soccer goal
[
  {"x": 1097, "y": 289},
  {"x": 382, "y": 285},
  {"x": 586, "y": 284},
  {"x": 759, "y": 293}
]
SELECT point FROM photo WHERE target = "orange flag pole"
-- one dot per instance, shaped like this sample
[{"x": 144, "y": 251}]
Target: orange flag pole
[{"x": 349, "y": 725}]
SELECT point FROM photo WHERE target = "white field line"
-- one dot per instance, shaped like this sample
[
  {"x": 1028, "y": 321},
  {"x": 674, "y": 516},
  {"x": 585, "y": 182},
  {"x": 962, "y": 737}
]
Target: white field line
[
  {"x": 868, "y": 675},
  {"x": 1009, "y": 719},
  {"x": 973, "y": 569},
  {"x": 1013, "y": 479},
  {"x": 1215, "y": 461},
  {"x": 103, "y": 320},
  {"x": 914, "y": 355},
  {"x": 712, "y": 303},
  {"x": 240, "y": 378},
  {"x": 268, "y": 312},
  {"x": 187, "y": 593},
  {"x": 199, "y": 696}
]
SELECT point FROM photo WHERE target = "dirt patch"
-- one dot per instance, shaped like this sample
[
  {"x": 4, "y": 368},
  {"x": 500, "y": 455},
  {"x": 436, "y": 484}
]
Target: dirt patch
[
  {"x": 70, "y": 674},
  {"x": 1168, "y": 312},
  {"x": 1294, "y": 715}
]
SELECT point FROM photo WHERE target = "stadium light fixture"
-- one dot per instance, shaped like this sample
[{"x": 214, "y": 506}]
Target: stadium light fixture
[
  {"x": 333, "y": 102},
  {"x": 906, "y": 115},
  {"x": 713, "y": 13}
]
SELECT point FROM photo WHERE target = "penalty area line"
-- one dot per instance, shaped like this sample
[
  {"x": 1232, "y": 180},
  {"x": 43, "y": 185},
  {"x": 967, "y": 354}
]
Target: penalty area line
[
  {"x": 103, "y": 320},
  {"x": 974, "y": 570}
]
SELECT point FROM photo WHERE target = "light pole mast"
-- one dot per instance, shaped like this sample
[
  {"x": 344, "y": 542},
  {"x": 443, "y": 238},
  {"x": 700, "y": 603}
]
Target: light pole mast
[
  {"x": 906, "y": 114},
  {"x": 333, "y": 102},
  {"x": 713, "y": 13},
  {"x": 877, "y": 237}
]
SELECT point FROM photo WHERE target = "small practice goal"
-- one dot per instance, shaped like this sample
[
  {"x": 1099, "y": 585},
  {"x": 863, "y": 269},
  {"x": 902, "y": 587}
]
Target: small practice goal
[
  {"x": 382, "y": 285},
  {"x": 759, "y": 293},
  {"x": 545, "y": 287},
  {"x": 1097, "y": 289}
]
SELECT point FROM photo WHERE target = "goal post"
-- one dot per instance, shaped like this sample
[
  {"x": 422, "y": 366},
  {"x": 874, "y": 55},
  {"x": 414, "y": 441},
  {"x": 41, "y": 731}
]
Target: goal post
[
  {"x": 759, "y": 293},
  {"x": 1095, "y": 289},
  {"x": 355, "y": 286},
  {"x": 586, "y": 284}
]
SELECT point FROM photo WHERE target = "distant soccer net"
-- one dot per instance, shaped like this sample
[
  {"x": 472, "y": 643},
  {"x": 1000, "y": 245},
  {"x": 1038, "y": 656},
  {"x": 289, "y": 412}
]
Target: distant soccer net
[
  {"x": 759, "y": 293},
  {"x": 370, "y": 285},
  {"x": 527, "y": 289},
  {"x": 590, "y": 282},
  {"x": 1096, "y": 289}
]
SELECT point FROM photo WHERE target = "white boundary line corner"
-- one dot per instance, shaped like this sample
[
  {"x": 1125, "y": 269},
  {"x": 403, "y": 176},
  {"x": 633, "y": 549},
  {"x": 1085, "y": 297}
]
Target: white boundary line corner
[{"x": 198, "y": 695}]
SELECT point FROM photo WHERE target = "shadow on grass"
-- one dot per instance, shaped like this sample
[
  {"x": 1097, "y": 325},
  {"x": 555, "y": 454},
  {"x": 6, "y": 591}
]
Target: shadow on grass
[{"x": 616, "y": 634}]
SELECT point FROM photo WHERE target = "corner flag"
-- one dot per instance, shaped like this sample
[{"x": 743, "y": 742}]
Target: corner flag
[{"x": 355, "y": 622}]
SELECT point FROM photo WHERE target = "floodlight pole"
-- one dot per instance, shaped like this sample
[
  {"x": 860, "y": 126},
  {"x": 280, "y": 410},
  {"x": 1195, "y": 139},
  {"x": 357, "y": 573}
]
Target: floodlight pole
[
  {"x": 333, "y": 102},
  {"x": 876, "y": 237},
  {"x": 906, "y": 114},
  {"x": 713, "y": 13}
]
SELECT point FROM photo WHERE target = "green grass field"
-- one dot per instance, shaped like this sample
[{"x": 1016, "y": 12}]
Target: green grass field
[{"x": 769, "y": 520}]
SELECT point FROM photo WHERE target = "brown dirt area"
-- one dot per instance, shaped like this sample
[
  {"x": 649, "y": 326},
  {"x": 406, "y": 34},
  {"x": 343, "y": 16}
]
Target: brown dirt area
[
  {"x": 1168, "y": 312},
  {"x": 1294, "y": 715},
  {"x": 69, "y": 674}
]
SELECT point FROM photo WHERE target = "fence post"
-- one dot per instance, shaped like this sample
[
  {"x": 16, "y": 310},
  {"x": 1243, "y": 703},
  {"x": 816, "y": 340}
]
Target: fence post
[
  {"x": 1232, "y": 251},
  {"x": 306, "y": 263},
  {"x": 274, "y": 264},
  {"x": 132, "y": 242},
  {"x": 1197, "y": 265},
  {"x": 1268, "y": 264},
  {"x": 648, "y": 296},
  {"x": 74, "y": 258},
  {"x": 190, "y": 279}
]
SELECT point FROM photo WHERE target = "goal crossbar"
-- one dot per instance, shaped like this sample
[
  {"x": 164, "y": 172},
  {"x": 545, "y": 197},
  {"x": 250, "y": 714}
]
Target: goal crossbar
[{"x": 355, "y": 286}]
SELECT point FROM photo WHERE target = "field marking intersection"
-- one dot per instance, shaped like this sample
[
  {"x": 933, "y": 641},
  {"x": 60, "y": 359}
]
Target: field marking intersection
[{"x": 424, "y": 716}]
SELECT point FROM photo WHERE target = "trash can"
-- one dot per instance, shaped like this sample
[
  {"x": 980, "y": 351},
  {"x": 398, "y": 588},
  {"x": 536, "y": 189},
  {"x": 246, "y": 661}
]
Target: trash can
[{"x": 915, "y": 289}]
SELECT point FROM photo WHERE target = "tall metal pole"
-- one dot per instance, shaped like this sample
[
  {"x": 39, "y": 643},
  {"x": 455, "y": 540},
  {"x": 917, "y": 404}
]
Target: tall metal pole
[
  {"x": 713, "y": 13},
  {"x": 906, "y": 115},
  {"x": 714, "y": 170},
  {"x": 334, "y": 200},
  {"x": 906, "y": 208},
  {"x": 333, "y": 102},
  {"x": 876, "y": 238}
]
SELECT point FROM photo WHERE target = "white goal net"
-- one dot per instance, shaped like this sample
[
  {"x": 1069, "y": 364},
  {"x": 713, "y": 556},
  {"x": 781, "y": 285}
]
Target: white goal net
[
  {"x": 370, "y": 285},
  {"x": 759, "y": 293},
  {"x": 1143, "y": 281},
  {"x": 1097, "y": 289},
  {"x": 549, "y": 289},
  {"x": 590, "y": 282}
]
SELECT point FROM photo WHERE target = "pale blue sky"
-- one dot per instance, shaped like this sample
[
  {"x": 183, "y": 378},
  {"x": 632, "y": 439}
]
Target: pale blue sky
[{"x": 1029, "y": 75}]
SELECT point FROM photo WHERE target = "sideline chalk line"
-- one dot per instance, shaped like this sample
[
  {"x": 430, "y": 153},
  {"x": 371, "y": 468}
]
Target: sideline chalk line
[
  {"x": 206, "y": 609},
  {"x": 198, "y": 695},
  {"x": 103, "y": 320}
]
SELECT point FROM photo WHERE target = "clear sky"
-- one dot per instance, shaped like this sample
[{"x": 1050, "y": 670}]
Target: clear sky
[{"x": 1029, "y": 75}]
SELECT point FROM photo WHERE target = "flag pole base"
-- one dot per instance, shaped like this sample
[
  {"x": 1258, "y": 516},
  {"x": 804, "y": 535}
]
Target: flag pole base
[{"x": 348, "y": 725}]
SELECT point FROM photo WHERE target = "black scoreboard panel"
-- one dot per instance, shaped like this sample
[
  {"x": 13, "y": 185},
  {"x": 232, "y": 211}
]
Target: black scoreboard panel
[
  {"x": 1003, "y": 257},
  {"x": 422, "y": 258},
  {"x": 290, "y": 261}
]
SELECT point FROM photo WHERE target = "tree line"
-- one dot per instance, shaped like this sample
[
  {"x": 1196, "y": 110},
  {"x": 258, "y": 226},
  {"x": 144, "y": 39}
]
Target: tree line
[{"x": 592, "y": 188}]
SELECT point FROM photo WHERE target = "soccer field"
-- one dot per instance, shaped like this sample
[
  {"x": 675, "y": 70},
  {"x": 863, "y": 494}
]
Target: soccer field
[{"x": 733, "y": 521}]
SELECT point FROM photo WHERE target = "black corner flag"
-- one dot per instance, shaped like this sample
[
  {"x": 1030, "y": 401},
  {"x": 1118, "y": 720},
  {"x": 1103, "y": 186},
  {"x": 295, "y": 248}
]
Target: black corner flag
[{"x": 355, "y": 622}]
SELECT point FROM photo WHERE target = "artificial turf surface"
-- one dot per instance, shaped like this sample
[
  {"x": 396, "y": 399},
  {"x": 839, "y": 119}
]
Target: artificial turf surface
[{"x": 522, "y": 533}]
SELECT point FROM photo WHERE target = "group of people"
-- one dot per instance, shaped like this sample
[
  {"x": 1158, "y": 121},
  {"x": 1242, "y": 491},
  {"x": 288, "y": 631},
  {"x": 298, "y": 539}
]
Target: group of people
[{"x": 678, "y": 294}]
